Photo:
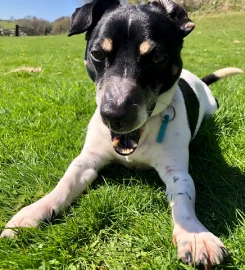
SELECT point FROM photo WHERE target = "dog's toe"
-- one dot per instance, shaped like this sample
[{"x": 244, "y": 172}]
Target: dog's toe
[
  {"x": 199, "y": 248},
  {"x": 8, "y": 233},
  {"x": 28, "y": 216}
]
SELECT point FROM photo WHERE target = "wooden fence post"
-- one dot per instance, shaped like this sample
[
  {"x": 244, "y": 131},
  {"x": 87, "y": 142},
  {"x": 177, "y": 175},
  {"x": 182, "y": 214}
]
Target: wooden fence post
[{"x": 17, "y": 30}]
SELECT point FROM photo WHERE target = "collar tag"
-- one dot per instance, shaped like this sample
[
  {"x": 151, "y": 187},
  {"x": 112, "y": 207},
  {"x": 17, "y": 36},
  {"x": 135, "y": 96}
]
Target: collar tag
[{"x": 163, "y": 128}]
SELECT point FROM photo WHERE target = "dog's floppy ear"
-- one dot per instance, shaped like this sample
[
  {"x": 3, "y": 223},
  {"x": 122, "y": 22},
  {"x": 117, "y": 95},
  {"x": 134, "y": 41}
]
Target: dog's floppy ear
[
  {"x": 178, "y": 14},
  {"x": 87, "y": 16}
]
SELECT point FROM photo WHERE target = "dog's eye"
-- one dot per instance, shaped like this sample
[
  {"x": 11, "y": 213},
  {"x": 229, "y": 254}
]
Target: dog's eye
[
  {"x": 98, "y": 55},
  {"x": 158, "y": 59}
]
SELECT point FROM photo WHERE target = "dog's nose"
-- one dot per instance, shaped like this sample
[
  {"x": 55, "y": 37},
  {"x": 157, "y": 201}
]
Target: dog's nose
[
  {"x": 120, "y": 104},
  {"x": 119, "y": 117},
  {"x": 116, "y": 119},
  {"x": 116, "y": 124}
]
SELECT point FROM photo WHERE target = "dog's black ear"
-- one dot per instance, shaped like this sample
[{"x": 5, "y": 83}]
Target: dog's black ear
[
  {"x": 178, "y": 14},
  {"x": 87, "y": 16}
]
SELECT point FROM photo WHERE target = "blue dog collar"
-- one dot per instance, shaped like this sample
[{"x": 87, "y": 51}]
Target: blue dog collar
[
  {"x": 165, "y": 121},
  {"x": 163, "y": 128}
]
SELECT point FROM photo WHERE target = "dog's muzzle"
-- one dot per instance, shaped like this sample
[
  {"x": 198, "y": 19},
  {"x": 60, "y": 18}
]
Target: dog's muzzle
[{"x": 119, "y": 111}]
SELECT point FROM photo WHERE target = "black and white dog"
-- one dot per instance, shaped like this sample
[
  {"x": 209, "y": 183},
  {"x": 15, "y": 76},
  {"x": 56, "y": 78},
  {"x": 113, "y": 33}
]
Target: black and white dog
[{"x": 148, "y": 110}]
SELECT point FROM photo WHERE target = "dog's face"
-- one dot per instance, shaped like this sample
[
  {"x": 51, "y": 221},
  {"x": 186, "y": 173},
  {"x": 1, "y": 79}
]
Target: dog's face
[{"x": 133, "y": 56}]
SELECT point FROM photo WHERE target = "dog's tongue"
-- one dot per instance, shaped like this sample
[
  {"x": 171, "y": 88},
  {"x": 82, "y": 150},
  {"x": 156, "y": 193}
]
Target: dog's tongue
[{"x": 125, "y": 144}]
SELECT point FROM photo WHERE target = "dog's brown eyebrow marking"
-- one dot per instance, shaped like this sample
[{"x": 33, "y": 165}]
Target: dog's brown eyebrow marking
[
  {"x": 145, "y": 47},
  {"x": 107, "y": 45}
]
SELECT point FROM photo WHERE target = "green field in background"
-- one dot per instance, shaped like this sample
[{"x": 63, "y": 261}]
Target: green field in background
[{"x": 123, "y": 221}]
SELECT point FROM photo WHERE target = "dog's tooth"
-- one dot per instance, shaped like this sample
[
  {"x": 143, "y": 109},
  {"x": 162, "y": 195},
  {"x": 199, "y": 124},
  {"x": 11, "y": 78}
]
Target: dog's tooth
[
  {"x": 128, "y": 159},
  {"x": 126, "y": 151},
  {"x": 134, "y": 143},
  {"x": 115, "y": 142}
]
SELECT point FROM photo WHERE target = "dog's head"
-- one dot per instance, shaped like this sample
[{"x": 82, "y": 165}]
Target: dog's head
[{"x": 133, "y": 55}]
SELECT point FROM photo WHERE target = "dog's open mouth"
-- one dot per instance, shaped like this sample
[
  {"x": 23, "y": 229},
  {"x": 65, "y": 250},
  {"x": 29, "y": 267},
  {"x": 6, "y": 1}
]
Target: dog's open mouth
[{"x": 125, "y": 143}]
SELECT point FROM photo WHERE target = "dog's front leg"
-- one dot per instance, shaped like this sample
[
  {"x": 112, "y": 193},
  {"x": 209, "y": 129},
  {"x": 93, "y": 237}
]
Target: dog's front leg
[
  {"x": 81, "y": 172},
  {"x": 195, "y": 244}
]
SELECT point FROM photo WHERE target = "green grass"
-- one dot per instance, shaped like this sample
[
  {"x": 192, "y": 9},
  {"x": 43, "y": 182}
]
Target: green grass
[
  {"x": 123, "y": 221},
  {"x": 7, "y": 24}
]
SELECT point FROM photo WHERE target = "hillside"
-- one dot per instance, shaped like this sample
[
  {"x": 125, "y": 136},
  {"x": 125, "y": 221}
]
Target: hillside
[
  {"x": 213, "y": 5},
  {"x": 207, "y": 5},
  {"x": 7, "y": 24}
]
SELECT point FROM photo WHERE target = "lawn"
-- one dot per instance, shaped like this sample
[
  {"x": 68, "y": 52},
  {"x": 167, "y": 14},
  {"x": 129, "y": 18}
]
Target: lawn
[{"x": 123, "y": 221}]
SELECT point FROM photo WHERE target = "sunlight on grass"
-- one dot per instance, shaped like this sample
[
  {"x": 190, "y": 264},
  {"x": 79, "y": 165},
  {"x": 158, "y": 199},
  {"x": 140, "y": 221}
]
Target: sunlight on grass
[{"x": 123, "y": 221}]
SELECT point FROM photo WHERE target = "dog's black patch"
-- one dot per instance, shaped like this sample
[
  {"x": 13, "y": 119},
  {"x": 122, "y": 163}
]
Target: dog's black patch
[
  {"x": 188, "y": 196},
  {"x": 191, "y": 103},
  {"x": 217, "y": 102},
  {"x": 175, "y": 179},
  {"x": 209, "y": 79},
  {"x": 150, "y": 70},
  {"x": 180, "y": 193}
]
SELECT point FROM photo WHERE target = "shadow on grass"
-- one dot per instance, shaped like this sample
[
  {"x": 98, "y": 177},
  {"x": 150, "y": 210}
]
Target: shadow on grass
[
  {"x": 220, "y": 188},
  {"x": 220, "y": 195}
]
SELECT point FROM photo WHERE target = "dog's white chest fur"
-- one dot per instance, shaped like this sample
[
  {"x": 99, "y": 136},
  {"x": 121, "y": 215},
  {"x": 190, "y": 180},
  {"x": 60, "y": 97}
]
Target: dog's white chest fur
[{"x": 149, "y": 151}]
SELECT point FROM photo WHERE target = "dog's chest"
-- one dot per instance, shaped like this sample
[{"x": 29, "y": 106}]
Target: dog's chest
[
  {"x": 148, "y": 150},
  {"x": 150, "y": 153}
]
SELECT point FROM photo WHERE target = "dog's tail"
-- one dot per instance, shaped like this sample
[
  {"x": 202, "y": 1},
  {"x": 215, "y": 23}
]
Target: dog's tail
[{"x": 221, "y": 74}]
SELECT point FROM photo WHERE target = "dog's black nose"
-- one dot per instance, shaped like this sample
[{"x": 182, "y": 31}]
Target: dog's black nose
[
  {"x": 120, "y": 104},
  {"x": 118, "y": 118},
  {"x": 118, "y": 124}
]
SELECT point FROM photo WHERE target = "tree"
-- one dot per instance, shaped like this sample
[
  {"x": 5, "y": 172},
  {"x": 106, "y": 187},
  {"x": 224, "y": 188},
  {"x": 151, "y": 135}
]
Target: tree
[
  {"x": 61, "y": 26},
  {"x": 35, "y": 24}
]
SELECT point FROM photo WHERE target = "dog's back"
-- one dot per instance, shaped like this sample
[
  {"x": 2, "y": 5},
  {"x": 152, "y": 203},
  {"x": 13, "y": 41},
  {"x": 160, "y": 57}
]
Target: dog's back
[{"x": 199, "y": 100}]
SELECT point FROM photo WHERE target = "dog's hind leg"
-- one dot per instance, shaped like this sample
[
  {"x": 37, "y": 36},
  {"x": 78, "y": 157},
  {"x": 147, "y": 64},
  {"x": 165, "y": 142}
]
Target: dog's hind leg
[{"x": 195, "y": 244}]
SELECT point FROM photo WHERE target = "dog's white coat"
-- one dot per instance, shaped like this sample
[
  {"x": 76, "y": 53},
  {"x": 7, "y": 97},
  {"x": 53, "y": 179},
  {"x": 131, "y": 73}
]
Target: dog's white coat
[{"x": 169, "y": 158}]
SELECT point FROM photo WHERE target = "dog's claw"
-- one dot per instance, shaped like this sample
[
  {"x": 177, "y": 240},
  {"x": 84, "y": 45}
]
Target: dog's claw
[
  {"x": 224, "y": 252},
  {"x": 206, "y": 260},
  {"x": 52, "y": 214},
  {"x": 188, "y": 257}
]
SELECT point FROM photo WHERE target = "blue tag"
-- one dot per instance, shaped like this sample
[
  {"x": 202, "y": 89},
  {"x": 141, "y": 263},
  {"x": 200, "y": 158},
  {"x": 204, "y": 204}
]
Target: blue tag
[{"x": 163, "y": 128}]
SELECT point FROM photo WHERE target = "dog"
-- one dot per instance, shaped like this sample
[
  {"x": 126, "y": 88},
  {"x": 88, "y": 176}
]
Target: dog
[{"x": 148, "y": 110}]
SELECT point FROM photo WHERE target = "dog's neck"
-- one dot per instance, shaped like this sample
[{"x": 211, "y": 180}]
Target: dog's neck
[{"x": 164, "y": 100}]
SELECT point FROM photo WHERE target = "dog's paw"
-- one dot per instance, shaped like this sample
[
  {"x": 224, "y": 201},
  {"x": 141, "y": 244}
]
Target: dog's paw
[
  {"x": 199, "y": 248},
  {"x": 28, "y": 216}
]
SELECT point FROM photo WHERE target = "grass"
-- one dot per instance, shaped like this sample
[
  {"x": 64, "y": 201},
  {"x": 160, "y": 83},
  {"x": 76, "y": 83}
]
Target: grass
[
  {"x": 123, "y": 221},
  {"x": 7, "y": 24}
]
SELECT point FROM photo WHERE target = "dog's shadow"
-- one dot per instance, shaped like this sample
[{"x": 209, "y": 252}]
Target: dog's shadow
[{"x": 220, "y": 188}]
